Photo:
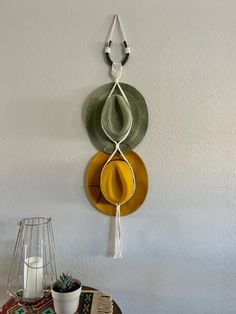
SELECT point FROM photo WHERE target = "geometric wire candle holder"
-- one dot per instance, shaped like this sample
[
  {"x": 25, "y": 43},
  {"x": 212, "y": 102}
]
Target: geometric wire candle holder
[{"x": 33, "y": 268}]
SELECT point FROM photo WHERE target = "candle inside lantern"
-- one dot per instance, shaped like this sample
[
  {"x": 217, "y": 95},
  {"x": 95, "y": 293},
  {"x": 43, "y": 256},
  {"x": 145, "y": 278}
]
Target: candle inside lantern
[{"x": 33, "y": 277}]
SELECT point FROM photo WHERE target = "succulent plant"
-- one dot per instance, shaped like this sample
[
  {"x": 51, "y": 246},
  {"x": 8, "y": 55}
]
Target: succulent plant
[{"x": 65, "y": 283}]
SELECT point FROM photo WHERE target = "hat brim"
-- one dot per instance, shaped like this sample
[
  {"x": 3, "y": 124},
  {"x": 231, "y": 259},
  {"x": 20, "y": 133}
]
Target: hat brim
[
  {"x": 139, "y": 112},
  {"x": 93, "y": 184}
]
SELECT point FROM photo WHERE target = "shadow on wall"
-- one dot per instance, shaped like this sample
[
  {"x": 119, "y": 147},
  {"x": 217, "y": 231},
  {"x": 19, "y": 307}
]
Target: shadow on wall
[
  {"x": 52, "y": 117},
  {"x": 46, "y": 141}
]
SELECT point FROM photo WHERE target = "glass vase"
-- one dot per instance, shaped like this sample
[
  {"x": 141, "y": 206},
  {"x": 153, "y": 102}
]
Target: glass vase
[{"x": 33, "y": 268}]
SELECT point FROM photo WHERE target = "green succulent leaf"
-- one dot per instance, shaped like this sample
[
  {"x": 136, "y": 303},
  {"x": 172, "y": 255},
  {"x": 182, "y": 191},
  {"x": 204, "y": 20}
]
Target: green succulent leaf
[{"x": 65, "y": 282}]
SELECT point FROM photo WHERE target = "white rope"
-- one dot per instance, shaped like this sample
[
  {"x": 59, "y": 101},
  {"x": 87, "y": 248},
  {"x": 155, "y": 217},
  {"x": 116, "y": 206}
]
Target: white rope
[
  {"x": 117, "y": 144},
  {"x": 109, "y": 38},
  {"x": 115, "y": 20},
  {"x": 107, "y": 49},
  {"x": 118, "y": 239},
  {"x": 116, "y": 73},
  {"x": 112, "y": 29},
  {"x": 121, "y": 28},
  {"x": 127, "y": 50}
]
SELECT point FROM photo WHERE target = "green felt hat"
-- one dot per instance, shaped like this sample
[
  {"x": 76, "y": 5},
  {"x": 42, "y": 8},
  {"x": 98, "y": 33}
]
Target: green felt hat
[{"x": 115, "y": 115}]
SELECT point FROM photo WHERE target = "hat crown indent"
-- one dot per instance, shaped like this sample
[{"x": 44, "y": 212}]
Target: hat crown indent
[
  {"x": 117, "y": 182},
  {"x": 116, "y": 117},
  {"x": 95, "y": 104}
]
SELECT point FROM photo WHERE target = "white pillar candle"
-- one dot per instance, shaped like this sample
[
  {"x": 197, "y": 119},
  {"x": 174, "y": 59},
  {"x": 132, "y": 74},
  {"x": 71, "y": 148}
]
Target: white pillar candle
[{"x": 33, "y": 277}]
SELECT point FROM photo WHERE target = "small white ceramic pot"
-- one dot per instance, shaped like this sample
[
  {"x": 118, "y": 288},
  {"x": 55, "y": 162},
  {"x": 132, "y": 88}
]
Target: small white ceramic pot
[{"x": 66, "y": 302}]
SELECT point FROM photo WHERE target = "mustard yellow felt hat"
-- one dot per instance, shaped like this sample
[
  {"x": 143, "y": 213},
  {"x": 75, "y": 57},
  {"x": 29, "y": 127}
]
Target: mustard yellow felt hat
[{"x": 116, "y": 184}]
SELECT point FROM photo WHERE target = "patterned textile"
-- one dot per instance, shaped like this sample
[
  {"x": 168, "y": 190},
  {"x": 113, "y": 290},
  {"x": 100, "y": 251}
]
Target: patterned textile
[{"x": 91, "y": 302}]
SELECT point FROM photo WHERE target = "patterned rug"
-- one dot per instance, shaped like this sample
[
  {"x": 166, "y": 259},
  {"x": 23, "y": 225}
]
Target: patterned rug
[{"x": 91, "y": 302}]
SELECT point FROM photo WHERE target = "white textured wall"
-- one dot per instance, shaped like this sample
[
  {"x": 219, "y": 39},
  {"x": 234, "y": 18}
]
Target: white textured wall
[{"x": 180, "y": 247}]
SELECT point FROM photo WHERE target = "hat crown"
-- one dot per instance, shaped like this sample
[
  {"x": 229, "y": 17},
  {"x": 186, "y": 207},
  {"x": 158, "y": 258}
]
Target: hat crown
[
  {"x": 116, "y": 117},
  {"x": 94, "y": 177},
  {"x": 95, "y": 104},
  {"x": 117, "y": 182}
]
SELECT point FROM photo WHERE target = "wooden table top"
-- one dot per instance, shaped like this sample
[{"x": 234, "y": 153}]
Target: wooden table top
[{"x": 12, "y": 304}]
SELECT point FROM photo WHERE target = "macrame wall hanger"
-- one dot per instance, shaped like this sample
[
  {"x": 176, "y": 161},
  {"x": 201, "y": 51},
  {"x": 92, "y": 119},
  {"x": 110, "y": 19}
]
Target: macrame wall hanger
[
  {"x": 116, "y": 67},
  {"x": 109, "y": 42},
  {"x": 116, "y": 73},
  {"x": 117, "y": 120}
]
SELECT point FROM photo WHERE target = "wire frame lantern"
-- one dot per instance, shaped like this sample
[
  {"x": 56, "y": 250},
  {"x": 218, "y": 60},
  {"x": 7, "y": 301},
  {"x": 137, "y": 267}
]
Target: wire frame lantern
[{"x": 33, "y": 268}]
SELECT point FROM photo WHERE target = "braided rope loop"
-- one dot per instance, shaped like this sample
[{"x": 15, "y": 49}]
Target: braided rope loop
[{"x": 116, "y": 73}]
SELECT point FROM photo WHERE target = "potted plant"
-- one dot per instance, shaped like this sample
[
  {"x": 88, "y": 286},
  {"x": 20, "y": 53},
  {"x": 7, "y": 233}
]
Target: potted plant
[{"x": 66, "y": 293}]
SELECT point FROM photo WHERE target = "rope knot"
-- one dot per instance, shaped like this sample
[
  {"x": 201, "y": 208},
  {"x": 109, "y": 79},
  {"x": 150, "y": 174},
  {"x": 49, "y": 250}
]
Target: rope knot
[
  {"x": 117, "y": 145},
  {"x": 116, "y": 71}
]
